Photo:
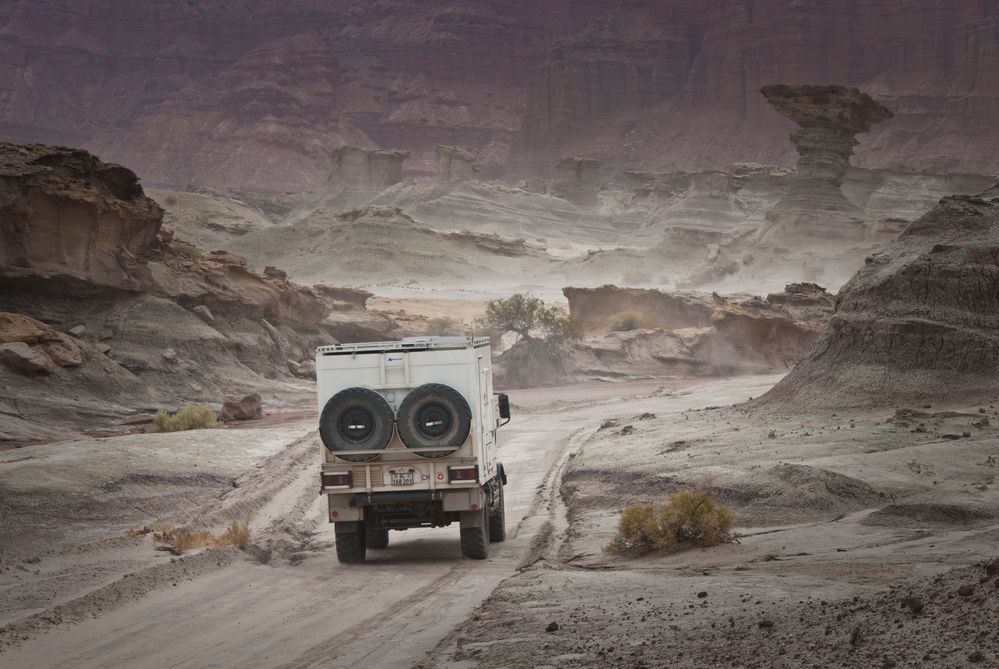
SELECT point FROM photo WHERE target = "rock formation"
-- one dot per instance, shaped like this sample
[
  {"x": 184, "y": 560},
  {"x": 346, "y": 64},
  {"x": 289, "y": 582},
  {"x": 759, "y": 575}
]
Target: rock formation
[
  {"x": 576, "y": 180},
  {"x": 919, "y": 323},
  {"x": 602, "y": 310},
  {"x": 455, "y": 164},
  {"x": 67, "y": 216},
  {"x": 646, "y": 332},
  {"x": 28, "y": 346},
  {"x": 358, "y": 175},
  {"x": 380, "y": 243},
  {"x": 248, "y": 100},
  {"x": 153, "y": 319},
  {"x": 829, "y": 119}
]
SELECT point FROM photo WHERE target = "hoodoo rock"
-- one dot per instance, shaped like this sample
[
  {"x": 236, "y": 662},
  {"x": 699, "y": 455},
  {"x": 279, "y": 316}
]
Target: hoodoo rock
[
  {"x": 576, "y": 180},
  {"x": 918, "y": 323},
  {"x": 359, "y": 174},
  {"x": 830, "y": 118},
  {"x": 455, "y": 164}
]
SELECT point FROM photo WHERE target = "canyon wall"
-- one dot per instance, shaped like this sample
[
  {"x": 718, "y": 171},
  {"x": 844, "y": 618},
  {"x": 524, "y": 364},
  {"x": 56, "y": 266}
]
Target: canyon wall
[{"x": 252, "y": 96}]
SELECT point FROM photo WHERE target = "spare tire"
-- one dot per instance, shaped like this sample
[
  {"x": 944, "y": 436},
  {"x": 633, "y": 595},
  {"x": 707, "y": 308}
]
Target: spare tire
[
  {"x": 356, "y": 419},
  {"x": 434, "y": 415}
]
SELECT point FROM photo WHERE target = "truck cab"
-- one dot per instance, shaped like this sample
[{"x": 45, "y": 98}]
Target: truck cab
[{"x": 408, "y": 431}]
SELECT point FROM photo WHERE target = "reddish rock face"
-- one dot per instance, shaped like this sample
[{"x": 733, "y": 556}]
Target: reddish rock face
[
  {"x": 251, "y": 96},
  {"x": 688, "y": 100}
]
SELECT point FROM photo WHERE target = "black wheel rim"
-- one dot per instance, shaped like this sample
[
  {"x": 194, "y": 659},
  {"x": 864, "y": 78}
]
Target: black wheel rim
[
  {"x": 356, "y": 424},
  {"x": 434, "y": 420}
]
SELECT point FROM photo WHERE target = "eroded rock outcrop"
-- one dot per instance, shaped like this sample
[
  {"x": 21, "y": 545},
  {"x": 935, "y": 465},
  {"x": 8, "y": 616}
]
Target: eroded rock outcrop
[
  {"x": 358, "y": 175},
  {"x": 919, "y": 323},
  {"x": 154, "y": 318},
  {"x": 65, "y": 215},
  {"x": 649, "y": 332},
  {"x": 829, "y": 119},
  {"x": 455, "y": 164}
]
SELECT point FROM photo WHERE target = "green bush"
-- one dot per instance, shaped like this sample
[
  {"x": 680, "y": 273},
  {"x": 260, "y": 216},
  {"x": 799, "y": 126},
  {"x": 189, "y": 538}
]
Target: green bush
[
  {"x": 191, "y": 417},
  {"x": 690, "y": 517},
  {"x": 528, "y": 317}
]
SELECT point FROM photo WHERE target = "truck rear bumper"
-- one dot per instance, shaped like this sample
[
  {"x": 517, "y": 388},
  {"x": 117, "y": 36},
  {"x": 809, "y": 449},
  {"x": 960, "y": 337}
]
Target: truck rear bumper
[{"x": 347, "y": 507}]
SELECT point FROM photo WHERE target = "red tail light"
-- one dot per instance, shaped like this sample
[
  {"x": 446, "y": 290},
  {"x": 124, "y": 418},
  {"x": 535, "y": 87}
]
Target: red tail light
[
  {"x": 470, "y": 473},
  {"x": 337, "y": 480}
]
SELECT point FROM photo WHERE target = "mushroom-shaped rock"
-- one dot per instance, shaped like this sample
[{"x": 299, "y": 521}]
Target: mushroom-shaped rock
[{"x": 830, "y": 118}]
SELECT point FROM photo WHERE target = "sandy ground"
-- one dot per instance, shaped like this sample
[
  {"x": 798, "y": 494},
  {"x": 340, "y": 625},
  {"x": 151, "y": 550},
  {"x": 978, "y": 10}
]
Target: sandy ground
[
  {"x": 863, "y": 541},
  {"x": 75, "y": 589},
  {"x": 833, "y": 512}
]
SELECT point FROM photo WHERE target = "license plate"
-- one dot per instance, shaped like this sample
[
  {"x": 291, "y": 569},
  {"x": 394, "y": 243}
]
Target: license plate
[{"x": 402, "y": 478}]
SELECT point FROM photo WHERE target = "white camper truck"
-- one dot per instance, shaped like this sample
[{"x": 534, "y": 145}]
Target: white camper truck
[{"x": 409, "y": 440}]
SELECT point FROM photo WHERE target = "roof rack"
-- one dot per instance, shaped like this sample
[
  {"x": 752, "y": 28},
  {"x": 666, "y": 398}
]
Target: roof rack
[{"x": 407, "y": 344}]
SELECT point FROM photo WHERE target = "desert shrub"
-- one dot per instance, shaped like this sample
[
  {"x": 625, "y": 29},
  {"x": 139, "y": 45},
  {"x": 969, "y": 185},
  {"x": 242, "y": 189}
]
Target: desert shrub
[
  {"x": 191, "y": 417},
  {"x": 180, "y": 540},
  {"x": 528, "y": 317},
  {"x": 690, "y": 517},
  {"x": 626, "y": 320},
  {"x": 237, "y": 534}
]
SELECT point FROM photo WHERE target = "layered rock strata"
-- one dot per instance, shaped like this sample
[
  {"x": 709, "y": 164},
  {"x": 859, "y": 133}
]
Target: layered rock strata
[{"x": 919, "y": 323}]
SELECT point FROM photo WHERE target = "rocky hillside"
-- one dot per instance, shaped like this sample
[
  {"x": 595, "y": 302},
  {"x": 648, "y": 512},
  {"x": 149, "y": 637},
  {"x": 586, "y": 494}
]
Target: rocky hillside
[
  {"x": 918, "y": 323},
  {"x": 251, "y": 96},
  {"x": 106, "y": 313}
]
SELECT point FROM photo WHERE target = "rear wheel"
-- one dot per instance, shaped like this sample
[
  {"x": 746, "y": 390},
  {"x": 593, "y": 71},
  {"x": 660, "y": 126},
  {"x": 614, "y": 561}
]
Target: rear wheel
[
  {"x": 475, "y": 534},
  {"x": 377, "y": 539},
  {"x": 350, "y": 542},
  {"x": 497, "y": 518}
]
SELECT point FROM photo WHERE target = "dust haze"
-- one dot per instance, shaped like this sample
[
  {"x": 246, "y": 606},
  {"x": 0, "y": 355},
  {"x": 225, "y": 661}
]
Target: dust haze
[{"x": 764, "y": 246}]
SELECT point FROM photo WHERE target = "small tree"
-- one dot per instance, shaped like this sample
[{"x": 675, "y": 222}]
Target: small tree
[{"x": 528, "y": 317}]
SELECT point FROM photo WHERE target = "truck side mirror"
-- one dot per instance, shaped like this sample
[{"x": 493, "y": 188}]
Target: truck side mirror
[{"x": 504, "y": 406}]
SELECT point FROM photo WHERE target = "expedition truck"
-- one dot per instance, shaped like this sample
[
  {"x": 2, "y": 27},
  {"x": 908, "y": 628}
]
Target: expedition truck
[{"x": 408, "y": 432}]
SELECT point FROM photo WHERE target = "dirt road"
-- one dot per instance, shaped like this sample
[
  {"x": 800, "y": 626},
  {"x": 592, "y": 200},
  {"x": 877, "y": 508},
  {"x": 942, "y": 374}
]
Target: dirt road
[{"x": 289, "y": 602}]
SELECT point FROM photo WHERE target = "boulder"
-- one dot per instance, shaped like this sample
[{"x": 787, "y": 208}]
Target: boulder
[
  {"x": 58, "y": 348},
  {"x": 204, "y": 313},
  {"x": 247, "y": 407},
  {"x": 23, "y": 359}
]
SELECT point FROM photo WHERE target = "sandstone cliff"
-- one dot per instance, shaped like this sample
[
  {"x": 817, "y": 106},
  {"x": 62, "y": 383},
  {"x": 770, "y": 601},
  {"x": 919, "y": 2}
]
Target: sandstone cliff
[{"x": 251, "y": 96}]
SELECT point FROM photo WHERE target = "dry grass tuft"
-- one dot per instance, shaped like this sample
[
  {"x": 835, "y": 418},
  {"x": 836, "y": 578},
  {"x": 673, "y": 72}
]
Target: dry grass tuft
[
  {"x": 191, "y": 417},
  {"x": 179, "y": 540},
  {"x": 690, "y": 517},
  {"x": 237, "y": 534}
]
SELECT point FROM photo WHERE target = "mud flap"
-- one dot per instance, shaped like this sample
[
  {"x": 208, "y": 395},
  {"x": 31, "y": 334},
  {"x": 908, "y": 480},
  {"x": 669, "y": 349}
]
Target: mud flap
[
  {"x": 472, "y": 519},
  {"x": 464, "y": 500},
  {"x": 341, "y": 511}
]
